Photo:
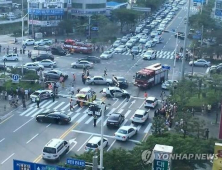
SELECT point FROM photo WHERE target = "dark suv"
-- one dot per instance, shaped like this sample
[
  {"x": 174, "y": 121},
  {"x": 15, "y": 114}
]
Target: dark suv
[
  {"x": 58, "y": 51},
  {"x": 42, "y": 57}
]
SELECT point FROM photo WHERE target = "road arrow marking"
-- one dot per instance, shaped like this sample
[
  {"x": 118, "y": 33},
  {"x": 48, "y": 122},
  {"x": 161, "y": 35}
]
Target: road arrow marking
[{"x": 134, "y": 101}]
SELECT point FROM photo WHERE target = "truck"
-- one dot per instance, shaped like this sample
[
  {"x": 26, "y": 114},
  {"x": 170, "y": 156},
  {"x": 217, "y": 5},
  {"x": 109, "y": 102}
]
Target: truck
[
  {"x": 77, "y": 47},
  {"x": 151, "y": 76}
]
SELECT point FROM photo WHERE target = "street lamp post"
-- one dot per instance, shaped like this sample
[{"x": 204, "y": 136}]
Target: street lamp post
[
  {"x": 102, "y": 132},
  {"x": 23, "y": 37},
  {"x": 89, "y": 26},
  {"x": 185, "y": 42},
  {"x": 174, "y": 64}
]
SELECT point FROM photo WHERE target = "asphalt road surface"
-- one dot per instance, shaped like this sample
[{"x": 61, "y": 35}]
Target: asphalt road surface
[{"x": 21, "y": 137}]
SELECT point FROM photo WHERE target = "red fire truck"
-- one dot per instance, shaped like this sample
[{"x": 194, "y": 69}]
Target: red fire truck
[
  {"x": 150, "y": 76},
  {"x": 77, "y": 47}
]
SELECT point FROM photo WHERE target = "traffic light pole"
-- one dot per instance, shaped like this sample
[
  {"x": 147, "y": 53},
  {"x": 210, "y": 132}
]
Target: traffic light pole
[
  {"x": 185, "y": 42},
  {"x": 95, "y": 163},
  {"x": 102, "y": 133}
]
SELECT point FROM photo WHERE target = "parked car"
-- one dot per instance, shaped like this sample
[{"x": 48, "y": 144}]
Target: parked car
[
  {"x": 157, "y": 39},
  {"x": 140, "y": 116},
  {"x": 47, "y": 63},
  {"x": 94, "y": 144},
  {"x": 115, "y": 92},
  {"x": 130, "y": 44},
  {"x": 54, "y": 75},
  {"x": 151, "y": 102},
  {"x": 10, "y": 57},
  {"x": 124, "y": 39},
  {"x": 100, "y": 80},
  {"x": 115, "y": 120},
  {"x": 42, "y": 57},
  {"x": 120, "y": 82},
  {"x": 116, "y": 43},
  {"x": 58, "y": 51},
  {"x": 42, "y": 47},
  {"x": 200, "y": 62},
  {"x": 106, "y": 55},
  {"x": 169, "y": 84},
  {"x": 53, "y": 117},
  {"x": 143, "y": 40},
  {"x": 28, "y": 42},
  {"x": 43, "y": 42},
  {"x": 81, "y": 64},
  {"x": 35, "y": 66},
  {"x": 41, "y": 94},
  {"x": 124, "y": 133}
]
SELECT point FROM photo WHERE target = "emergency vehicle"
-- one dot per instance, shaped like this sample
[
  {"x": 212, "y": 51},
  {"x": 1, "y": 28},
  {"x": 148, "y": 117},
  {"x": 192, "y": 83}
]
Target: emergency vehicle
[
  {"x": 151, "y": 76},
  {"x": 86, "y": 94},
  {"x": 77, "y": 47}
]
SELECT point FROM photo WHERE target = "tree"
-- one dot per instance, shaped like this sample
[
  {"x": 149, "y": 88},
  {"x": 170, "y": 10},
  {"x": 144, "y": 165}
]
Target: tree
[
  {"x": 158, "y": 126},
  {"x": 108, "y": 31},
  {"x": 153, "y": 4},
  {"x": 67, "y": 25},
  {"x": 125, "y": 17}
]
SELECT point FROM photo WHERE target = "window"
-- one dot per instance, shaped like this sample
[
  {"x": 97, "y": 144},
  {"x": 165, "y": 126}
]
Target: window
[
  {"x": 49, "y": 150},
  {"x": 77, "y": 5},
  {"x": 60, "y": 147},
  {"x": 95, "y": 6}
]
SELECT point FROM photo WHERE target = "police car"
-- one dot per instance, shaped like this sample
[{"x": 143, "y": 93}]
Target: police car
[{"x": 41, "y": 94}]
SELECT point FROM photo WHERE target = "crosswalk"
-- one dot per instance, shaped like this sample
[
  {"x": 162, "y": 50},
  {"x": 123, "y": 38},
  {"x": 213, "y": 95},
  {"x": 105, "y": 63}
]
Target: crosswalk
[
  {"x": 160, "y": 54},
  {"x": 80, "y": 115}
]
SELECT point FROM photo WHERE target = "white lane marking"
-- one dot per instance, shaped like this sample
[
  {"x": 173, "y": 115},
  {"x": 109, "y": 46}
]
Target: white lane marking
[
  {"x": 98, "y": 120},
  {"x": 7, "y": 158},
  {"x": 41, "y": 110},
  {"x": 121, "y": 103},
  {"x": 23, "y": 113},
  {"x": 142, "y": 104},
  {"x": 65, "y": 106},
  {"x": 111, "y": 145},
  {"x": 127, "y": 113},
  {"x": 42, "y": 102},
  {"x": 83, "y": 117},
  {"x": 48, "y": 125},
  {"x": 33, "y": 110},
  {"x": 148, "y": 128},
  {"x": 59, "y": 105},
  {"x": 70, "y": 113},
  {"x": 46, "y": 103},
  {"x": 89, "y": 120},
  {"x": 124, "y": 122},
  {"x": 104, "y": 123},
  {"x": 120, "y": 111},
  {"x": 84, "y": 143},
  {"x": 77, "y": 114},
  {"x": 51, "y": 104},
  {"x": 115, "y": 101},
  {"x": 2, "y": 139},
  {"x": 32, "y": 138},
  {"x": 78, "y": 109},
  {"x": 23, "y": 125},
  {"x": 138, "y": 127},
  {"x": 111, "y": 111}
]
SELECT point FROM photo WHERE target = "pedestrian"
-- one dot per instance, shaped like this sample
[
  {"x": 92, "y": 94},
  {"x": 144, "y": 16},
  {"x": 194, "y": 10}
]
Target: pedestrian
[
  {"x": 74, "y": 77},
  {"x": 81, "y": 103},
  {"x": 105, "y": 72},
  {"x": 23, "y": 103},
  {"x": 78, "y": 90},
  {"x": 0, "y": 48},
  {"x": 63, "y": 83},
  {"x": 87, "y": 73},
  {"x": 71, "y": 105},
  {"x": 72, "y": 90},
  {"x": 9, "y": 99},
  {"x": 94, "y": 120},
  {"x": 53, "y": 97},
  {"x": 162, "y": 95},
  {"x": 6, "y": 94},
  {"x": 203, "y": 109},
  {"x": 84, "y": 69},
  {"x": 37, "y": 102},
  {"x": 132, "y": 56},
  {"x": 192, "y": 111},
  {"x": 207, "y": 133},
  {"x": 145, "y": 95}
]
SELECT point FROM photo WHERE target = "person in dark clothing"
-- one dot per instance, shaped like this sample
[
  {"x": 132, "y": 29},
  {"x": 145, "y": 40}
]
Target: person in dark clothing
[
  {"x": 155, "y": 113},
  {"x": 87, "y": 72},
  {"x": 23, "y": 103},
  {"x": 207, "y": 133},
  {"x": 53, "y": 97},
  {"x": 105, "y": 72},
  {"x": 37, "y": 102},
  {"x": 94, "y": 120}
]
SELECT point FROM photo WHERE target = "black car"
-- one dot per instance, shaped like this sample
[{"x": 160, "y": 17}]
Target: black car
[
  {"x": 92, "y": 59},
  {"x": 54, "y": 75},
  {"x": 180, "y": 35},
  {"x": 58, "y": 51},
  {"x": 120, "y": 82},
  {"x": 115, "y": 120},
  {"x": 53, "y": 117},
  {"x": 42, "y": 57}
]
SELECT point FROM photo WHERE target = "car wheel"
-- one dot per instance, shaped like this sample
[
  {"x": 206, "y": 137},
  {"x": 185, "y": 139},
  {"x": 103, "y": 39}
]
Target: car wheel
[
  {"x": 35, "y": 48},
  {"x": 26, "y": 44},
  {"x": 107, "y": 83},
  {"x": 67, "y": 150},
  {"x": 59, "y": 122},
  {"x": 16, "y": 59},
  {"x": 136, "y": 132},
  {"x": 40, "y": 120},
  {"x": 93, "y": 83},
  {"x": 59, "y": 158},
  {"x": 74, "y": 67}
]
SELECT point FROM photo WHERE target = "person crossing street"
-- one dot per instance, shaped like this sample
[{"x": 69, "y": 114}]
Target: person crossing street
[
  {"x": 94, "y": 120},
  {"x": 37, "y": 102},
  {"x": 53, "y": 97}
]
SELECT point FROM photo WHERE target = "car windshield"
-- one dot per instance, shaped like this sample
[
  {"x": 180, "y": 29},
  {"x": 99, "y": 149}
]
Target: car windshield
[
  {"x": 121, "y": 79},
  {"x": 91, "y": 145},
  {"x": 149, "y": 101},
  {"x": 122, "y": 131},
  {"x": 36, "y": 93},
  {"x": 141, "y": 77},
  {"x": 107, "y": 52},
  {"x": 138, "y": 116},
  {"x": 49, "y": 150},
  {"x": 148, "y": 53},
  {"x": 114, "y": 117}
]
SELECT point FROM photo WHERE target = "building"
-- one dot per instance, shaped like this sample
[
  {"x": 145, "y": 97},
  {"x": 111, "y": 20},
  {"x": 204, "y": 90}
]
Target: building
[
  {"x": 218, "y": 9},
  {"x": 88, "y": 7},
  {"x": 45, "y": 15},
  {"x": 114, "y": 5}
]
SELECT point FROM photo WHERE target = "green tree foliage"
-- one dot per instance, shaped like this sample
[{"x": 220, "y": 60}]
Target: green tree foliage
[
  {"x": 67, "y": 25},
  {"x": 125, "y": 17},
  {"x": 158, "y": 126},
  {"x": 153, "y": 4}
]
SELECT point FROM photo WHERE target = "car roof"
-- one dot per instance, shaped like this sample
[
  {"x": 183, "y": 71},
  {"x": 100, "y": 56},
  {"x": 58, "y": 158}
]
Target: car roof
[
  {"x": 84, "y": 61},
  {"x": 114, "y": 88},
  {"x": 140, "y": 112},
  {"x": 94, "y": 139},
  {"x": 86, "y": 89},
  {"x": 151, "y": 98},
  {"x": 46, "y": 60},
  {"x": 54, "y": 143},
  {"x": 125, "y": 127},
  {"x": 118, "y": 77}
]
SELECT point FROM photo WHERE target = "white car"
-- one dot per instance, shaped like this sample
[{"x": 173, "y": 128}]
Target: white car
[
  {"x": 135, "y": 39},
  {"x": 106, "y": 55},
  {"x": 125, "y": 133},
  {"x": 42, "y": 94},
  {"x": 116, "y": 43},
  {"x": 157, "y": 39},
  {"x": 120, "y": 49},
  {"x": 143, "y": 40},
  {"x": 115, "y": 92},
  {"x": 47, "y": 63},
  {"x": 94, "y": 144},
  {"x": 10, "y": 57},
  {"x": 99, "y": 80},
  {"x": 29, "y": 42},
  {"x": 150, "y": 44},
  {"x": 151, "y": 102},
  {"x": 150, "y": 54},
  {"x": 43, "y": 42},
  {"x": 200, "y": 62},
  {"x": 130, "y": 44},
  {"x": 35, "y": 66},
  {"x": 154, "y": 33},
  {"x": 168, "y": 84},
  {"x": 140, "y": 116},
  {"x": 81, "y": 64}
]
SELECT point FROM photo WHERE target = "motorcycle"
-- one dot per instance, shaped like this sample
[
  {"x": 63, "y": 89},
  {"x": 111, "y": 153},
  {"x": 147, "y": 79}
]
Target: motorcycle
[{"x": 14, "y": 104}]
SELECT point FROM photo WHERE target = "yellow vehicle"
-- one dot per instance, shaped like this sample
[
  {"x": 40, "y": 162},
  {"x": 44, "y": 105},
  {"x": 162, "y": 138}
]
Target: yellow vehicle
[{"x": 86, "y": 94}]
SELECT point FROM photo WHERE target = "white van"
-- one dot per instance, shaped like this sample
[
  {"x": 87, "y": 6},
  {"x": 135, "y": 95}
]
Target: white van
[
  {"x": 138, "y": 30},
  {"x": 54, "y": 149},
  {"x": 94, "y": 144}
]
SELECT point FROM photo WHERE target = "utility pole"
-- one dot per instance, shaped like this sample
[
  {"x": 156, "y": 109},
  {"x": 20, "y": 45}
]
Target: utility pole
[
  {"x": 101, "y": 148},
  {"x": 95, "y": 163},
  {"x": 89, "y": 26},
  {"x": 202, "y": 29},
  {"x": 175, "y": 57},
  {"x": 193, "y": 59},
  {"x": 185, "y": 42}
]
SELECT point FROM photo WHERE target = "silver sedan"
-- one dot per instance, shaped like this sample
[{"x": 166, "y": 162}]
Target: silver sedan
[
  {"x": 98, "y": 80},
  {"x": 42, "y": 47},
  {"x": 82, "y": 64},
  {"x": 200, "y": 62},
  {"x": 47, "y": 63}
]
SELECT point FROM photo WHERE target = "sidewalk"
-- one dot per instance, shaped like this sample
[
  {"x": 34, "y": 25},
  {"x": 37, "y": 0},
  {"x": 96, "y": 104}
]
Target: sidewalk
[{"x": 5, "y": 109}]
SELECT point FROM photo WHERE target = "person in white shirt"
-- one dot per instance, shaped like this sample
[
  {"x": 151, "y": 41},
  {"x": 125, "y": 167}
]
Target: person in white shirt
[{"x": 9, "y": 99}]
